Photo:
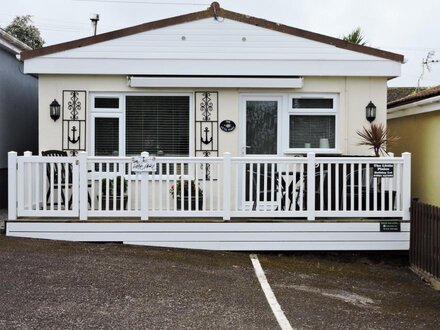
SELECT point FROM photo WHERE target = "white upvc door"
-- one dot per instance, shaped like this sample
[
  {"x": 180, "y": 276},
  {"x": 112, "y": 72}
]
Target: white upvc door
[{"x": 260, "y": 135}]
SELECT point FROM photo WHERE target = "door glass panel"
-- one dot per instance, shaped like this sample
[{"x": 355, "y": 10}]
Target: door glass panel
[{"x": 261, "y": 127}]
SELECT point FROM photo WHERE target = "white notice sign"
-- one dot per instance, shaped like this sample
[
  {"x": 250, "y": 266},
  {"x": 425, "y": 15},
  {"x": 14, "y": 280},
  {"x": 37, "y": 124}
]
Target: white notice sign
[{"x": 143, "y": 164}]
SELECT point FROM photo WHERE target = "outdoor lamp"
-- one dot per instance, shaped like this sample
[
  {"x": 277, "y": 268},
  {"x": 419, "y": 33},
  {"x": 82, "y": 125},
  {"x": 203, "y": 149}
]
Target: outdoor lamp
[
  {"x": 370, "y": 112},
  {"x": 54, "y": 110}
]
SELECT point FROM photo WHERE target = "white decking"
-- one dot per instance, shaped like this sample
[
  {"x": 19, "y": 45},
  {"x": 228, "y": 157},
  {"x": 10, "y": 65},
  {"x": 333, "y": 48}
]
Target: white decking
[
  {"x": 249, "y": 236},
  {"x": 323, "y": 203}
]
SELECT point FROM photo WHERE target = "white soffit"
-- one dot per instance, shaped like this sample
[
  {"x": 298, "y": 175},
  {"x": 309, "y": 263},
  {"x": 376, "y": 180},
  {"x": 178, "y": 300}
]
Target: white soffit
[{"x": 217, "y": 82}]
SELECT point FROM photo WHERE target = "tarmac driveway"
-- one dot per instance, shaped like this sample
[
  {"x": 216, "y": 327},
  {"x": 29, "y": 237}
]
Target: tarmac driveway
[{"x": 59, "y": 285}]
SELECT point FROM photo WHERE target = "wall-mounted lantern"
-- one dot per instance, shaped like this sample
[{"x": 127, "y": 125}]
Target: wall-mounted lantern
[
  {"x": 54, "y": 110},
  {"x": 370, "y": 112}
]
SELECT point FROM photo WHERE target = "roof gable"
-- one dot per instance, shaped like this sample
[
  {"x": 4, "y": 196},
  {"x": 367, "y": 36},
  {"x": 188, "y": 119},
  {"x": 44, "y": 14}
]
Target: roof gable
[{"x": 214, "y": 11}]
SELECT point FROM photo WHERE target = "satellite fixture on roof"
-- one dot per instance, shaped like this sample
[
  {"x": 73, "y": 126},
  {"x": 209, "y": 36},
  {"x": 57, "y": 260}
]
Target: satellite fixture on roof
[
  {"x": 94, "y": 18},
  {"x": 426, "y": 63}
]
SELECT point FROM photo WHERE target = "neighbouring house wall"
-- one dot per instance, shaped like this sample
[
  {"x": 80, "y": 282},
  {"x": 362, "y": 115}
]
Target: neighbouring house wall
[
  {"x": 354, "y": 94},
  {"x": 420, "y": 135},
  {"x": 18, "y": 113}
]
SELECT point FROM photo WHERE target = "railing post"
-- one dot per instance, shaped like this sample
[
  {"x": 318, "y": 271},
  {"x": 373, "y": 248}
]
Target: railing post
[
  {"x": 144, "y": 191},
  {"x": 83, "y": 186},
  {"x": 311, "y": 186},
  {"x": 406, "y": 186},
  {"x": 12, "y": 185},
  {"x": 227, "y": 186},
  {"x": 26, "y": 176}
]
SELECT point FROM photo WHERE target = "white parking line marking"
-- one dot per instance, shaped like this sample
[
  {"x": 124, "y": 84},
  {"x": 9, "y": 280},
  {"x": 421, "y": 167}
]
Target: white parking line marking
[{"x": 270, "y": 296}]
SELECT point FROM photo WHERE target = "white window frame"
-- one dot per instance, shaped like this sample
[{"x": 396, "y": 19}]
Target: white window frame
[
  {"x": 290, "y": 111},
  {"x": 121, "y": 113}
]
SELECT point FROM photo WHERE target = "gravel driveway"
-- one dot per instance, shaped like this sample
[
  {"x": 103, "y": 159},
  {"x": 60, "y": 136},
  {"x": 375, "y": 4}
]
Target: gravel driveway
[{"x": 59, "y": 285}]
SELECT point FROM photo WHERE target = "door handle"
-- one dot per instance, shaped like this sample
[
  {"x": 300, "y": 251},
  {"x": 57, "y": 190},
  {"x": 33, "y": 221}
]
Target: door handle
[{"x": 243, "y": 149}]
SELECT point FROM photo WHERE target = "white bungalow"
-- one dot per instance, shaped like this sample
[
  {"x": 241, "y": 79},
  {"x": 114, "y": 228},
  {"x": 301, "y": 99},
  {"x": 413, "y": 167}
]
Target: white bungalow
[{"x": 259, "y": 119}]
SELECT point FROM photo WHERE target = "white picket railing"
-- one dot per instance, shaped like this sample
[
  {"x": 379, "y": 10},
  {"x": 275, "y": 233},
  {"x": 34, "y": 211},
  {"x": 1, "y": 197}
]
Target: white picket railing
[{"x": 222, "y": 187}]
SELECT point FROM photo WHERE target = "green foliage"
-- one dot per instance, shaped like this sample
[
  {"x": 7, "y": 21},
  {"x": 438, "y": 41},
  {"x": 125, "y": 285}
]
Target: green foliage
[
  {"x": 23, "y": 29},
  {"x": 377, "y": 137},
  {"x": 111, "y": 185},
  {"x": 355, "y": 37},
  {"x": 177, "y": 191}
]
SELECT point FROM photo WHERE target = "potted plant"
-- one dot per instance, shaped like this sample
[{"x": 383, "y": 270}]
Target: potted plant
[
  {"x": 119, "y": 181},
  {"x": 176, "y": 192},
  {"x": 377, "y": 137}
]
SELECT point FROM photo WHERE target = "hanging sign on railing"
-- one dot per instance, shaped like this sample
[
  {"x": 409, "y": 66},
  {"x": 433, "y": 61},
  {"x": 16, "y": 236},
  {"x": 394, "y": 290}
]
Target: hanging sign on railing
[
  {"x": 143, "y": 164},
  {"x": 383, "y": 170}
]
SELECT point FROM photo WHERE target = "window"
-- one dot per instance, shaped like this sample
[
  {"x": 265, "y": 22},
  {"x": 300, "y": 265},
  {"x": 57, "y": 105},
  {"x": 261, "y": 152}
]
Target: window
[
  {"x": 130, "y": 124},
  {"x": 312, "y": 123},
  {"x": 106, "y": 136},
  {"x": 106, "y": 102},
  {"x": 157, "y": 124}
]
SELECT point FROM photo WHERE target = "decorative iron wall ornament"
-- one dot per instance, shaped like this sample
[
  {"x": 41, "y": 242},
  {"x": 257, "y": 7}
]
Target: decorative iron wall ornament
[
  {"x": 74, "y": 121},
  {"x": 206, "y": 128}
]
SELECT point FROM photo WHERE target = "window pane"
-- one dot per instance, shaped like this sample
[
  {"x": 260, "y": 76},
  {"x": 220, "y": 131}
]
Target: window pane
[
  {"x": 106, "y": 102},
  {"x": 312, "y": 131},
  {"x": 157, "y": 124},
  {"x": 303, "y": 103},
  {"x": 106, "y": 136},
  {"x": 261, "y": 127}
]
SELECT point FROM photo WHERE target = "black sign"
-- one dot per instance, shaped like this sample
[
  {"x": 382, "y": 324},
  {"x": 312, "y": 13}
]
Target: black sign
[
  {"x": 383, "y": 170},
  {"x": 390, "y": 226},
  {"x": 227, "y": 125}
]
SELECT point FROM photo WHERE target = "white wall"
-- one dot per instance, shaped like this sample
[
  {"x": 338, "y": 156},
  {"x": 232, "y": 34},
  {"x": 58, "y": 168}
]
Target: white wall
[{"x": 354, "y": 94}]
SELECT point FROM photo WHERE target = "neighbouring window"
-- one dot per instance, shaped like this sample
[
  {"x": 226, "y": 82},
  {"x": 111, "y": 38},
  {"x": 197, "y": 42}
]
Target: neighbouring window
[{"x": 312, "y": 123}]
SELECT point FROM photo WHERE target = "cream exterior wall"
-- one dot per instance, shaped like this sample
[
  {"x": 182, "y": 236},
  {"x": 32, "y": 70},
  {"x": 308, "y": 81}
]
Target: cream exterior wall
[
  {"x": 419, "y": 134},
  {"x": 354, "y": 94}
]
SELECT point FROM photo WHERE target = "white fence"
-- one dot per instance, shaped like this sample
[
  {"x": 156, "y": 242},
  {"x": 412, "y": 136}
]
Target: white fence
[{"x": 223, "y": 187}]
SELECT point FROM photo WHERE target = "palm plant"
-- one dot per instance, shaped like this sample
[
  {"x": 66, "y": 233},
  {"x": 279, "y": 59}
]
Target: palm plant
[
  {"x": 355, "y": 37},
  {"x": 377, "y": 137}
]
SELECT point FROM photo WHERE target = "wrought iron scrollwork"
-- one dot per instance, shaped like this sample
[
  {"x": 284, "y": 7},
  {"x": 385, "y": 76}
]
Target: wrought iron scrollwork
[
  {"x": 74, "y": 121},
  {"x": 206, "y": 127}
]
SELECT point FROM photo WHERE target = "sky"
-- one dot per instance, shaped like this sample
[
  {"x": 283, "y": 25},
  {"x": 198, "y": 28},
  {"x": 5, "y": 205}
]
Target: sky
[{"x": 406, "y": 27}]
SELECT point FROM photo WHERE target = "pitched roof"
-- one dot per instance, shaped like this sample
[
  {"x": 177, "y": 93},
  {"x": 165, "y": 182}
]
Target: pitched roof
[
  {"x": 396, "y": 93},
  {"x": 422, "y": 95},
  {"x": 213, "y": 11}
]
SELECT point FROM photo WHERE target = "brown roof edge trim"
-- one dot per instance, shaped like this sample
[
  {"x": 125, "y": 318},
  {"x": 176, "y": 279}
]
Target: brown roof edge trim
[
  {"x": 213, "y": 11},
  {"x": 117, "y": 34}
]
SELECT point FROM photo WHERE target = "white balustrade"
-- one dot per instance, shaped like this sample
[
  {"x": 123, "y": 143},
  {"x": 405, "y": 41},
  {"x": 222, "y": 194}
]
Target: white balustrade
[{"x": 220, "y": 187}]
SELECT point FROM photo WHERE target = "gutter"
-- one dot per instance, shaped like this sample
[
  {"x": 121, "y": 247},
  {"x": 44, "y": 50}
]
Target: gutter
[{"x": 415, "y": 104}]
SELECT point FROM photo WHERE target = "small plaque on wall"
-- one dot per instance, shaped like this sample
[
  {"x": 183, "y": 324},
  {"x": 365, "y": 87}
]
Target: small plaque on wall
[{"x": 227, "y": 125}]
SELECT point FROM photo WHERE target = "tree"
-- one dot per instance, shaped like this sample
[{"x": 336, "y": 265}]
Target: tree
[
  {"x": 355, "y": 37},
  {"x": 23, "y": 29}
]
